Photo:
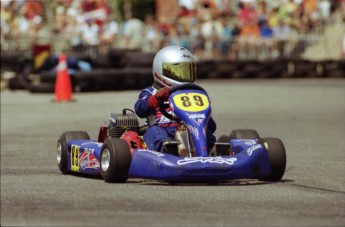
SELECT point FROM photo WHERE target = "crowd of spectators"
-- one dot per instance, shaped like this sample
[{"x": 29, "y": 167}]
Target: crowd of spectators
[{"x": 217, "y": 29}]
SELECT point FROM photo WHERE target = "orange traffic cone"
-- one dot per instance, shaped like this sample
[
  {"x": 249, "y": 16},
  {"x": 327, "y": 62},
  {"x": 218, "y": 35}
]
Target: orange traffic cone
[{"x": 63, "y": 85}]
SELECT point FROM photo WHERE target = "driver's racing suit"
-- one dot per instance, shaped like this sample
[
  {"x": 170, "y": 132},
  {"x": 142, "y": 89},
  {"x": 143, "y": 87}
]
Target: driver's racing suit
[{"x": 161, "y": 128}]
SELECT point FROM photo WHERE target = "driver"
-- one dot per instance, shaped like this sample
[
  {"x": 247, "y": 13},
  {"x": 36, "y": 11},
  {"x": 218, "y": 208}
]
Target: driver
[{"x": 172, "y": 66}]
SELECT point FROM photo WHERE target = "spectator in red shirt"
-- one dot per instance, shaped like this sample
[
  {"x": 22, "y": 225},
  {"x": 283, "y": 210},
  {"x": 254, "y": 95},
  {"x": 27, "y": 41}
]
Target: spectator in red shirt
[
  {"x": 246, "y": 13},
  {"x": 32, "y": 9}
]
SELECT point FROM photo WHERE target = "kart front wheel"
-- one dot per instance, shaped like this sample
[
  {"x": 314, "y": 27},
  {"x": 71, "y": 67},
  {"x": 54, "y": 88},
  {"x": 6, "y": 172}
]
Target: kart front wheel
[
  {"x": 115, "y": 160},
  {"x": 62, "y": 147},
  {"x": 244, "y": 134},
  {"x": 277, "y": 158}
]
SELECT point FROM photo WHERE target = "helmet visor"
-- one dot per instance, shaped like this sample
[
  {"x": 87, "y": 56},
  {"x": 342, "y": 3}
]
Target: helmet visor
[{"x": 180, "y": 71}]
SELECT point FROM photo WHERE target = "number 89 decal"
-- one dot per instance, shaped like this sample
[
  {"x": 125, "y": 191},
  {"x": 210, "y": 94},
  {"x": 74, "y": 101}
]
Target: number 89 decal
[{"x": 192, "y": 102}]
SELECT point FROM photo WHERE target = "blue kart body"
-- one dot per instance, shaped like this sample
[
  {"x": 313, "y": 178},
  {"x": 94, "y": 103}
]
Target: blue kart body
[
  {"x": 249, "y": 158},
  {"x": 250, "y": 162}
]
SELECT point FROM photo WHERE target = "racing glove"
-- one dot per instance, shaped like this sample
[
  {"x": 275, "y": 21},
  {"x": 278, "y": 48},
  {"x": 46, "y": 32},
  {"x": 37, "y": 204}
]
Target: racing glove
[{"x": 160, "y": 96}]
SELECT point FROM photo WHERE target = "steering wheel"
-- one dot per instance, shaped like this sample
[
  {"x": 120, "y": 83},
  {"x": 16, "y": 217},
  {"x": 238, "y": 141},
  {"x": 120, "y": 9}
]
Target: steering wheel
[{"x": 187, "y": 86}]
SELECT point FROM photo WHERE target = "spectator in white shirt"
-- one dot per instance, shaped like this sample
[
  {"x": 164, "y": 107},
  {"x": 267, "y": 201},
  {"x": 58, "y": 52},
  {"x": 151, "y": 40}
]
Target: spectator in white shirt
[
  {"x": 89, "y": 33},
  {"x": 134, "y": 32}
]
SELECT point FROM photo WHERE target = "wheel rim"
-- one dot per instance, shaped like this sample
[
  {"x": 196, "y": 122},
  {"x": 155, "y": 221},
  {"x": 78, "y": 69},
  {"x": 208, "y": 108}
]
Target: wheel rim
[
  {"x": 59, "y": 153},
  {"x": 105, "y": 160}
]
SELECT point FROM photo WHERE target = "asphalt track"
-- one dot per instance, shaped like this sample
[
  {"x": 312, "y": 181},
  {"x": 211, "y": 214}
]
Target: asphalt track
[{"x": 308, "y": 115}]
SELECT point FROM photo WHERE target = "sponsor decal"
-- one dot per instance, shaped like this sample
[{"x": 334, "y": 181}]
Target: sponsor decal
[
  {"x": 213, "y": 160},
  {"x": 252, "y": 149},
  {"x": 88, "y": 160},
  {"x": 249, "y": 142},
  {"x": 161, "y": 119},
  {"x": 91, "y": 142},
  {"x": 159, "y": 154},
  {"x": 197, "y": 118},
  {"x": 194, "y": 131}
]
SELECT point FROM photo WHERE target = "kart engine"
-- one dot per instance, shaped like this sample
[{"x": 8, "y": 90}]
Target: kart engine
[{"x": 119, "y": 123}]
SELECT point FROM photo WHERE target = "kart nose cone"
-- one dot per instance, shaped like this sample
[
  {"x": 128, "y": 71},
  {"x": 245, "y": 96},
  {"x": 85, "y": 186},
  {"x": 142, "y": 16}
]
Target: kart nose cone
[{"x": 105, "y": 159}]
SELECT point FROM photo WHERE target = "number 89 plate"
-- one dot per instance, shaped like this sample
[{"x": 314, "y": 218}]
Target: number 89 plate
[{"x": 191, "y": 102}]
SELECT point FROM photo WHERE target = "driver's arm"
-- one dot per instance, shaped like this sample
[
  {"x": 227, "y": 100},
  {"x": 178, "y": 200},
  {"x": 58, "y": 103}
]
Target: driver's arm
[
  {"x": 141, "y": 107},
  {"x": 149, "y": 100},
  {"x": 160, "y": 96}
]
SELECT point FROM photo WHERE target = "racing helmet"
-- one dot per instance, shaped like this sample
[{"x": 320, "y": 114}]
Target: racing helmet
[{"x": 173, "y": 65}]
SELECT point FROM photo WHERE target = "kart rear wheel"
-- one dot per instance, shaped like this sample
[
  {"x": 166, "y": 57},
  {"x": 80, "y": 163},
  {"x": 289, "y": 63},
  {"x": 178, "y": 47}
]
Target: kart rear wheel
[
  {"x": 277, "y": 158},
  {"x": 62, "y": 148},
  {"x": 244, "y": 134},
  {"x": 115, "y": 160}
]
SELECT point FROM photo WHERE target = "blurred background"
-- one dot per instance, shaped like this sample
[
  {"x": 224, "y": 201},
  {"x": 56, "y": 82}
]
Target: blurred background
[{"x": 110, "y": 44}]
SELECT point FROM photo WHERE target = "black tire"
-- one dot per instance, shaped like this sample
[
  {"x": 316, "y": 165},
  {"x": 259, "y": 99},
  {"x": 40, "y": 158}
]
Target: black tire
[
  {"x": 244, "y": 134},
  {"x": 223, "y": 150},
  {"x": 62, "y": 148},
  {"x": 223, "y": 139},
  {"x": 119, "y": 157},
  {"x": 277, "y": 158},
  {"x": 42, "y": 88}
]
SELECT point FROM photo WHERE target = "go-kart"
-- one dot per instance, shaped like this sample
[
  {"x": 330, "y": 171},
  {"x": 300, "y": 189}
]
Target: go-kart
[{"x": 120, "y": 151}]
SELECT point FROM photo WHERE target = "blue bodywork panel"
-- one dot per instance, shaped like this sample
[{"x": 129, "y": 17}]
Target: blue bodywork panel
[
  {"x": 84, "y": 156},
  {"x": 251, "y": 161},
  {"x": 195, "y": 109}
]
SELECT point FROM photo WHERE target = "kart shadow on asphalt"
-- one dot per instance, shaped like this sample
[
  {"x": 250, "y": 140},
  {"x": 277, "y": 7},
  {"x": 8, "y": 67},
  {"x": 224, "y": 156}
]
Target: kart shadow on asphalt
[
  {"x": 87, "y": 176},
  {"x": 149, "y": 182},
  {"x": 241, "y": 182}
]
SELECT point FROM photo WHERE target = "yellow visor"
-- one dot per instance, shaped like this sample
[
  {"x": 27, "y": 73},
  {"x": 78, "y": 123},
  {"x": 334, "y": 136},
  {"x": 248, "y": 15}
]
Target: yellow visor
[{"x": 180, "y": 71}]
